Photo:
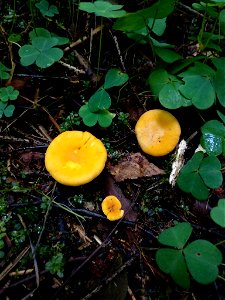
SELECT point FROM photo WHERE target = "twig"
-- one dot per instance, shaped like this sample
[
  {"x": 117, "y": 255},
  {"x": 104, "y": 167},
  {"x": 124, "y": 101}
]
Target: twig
[
  {"x": 7, "y": 138},
  {"x": 76, "y": 70},
  {"x": 86, "y": 66},
  {"x": 118, "y": 50},
  {"x": 14, "y": 263},
  {"x": 109, "y": 279},
  {"x": 84, "y": 38}
]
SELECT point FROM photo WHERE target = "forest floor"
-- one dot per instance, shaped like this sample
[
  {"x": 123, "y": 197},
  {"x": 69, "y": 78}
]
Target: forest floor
[{"x": 44, "y": 223}]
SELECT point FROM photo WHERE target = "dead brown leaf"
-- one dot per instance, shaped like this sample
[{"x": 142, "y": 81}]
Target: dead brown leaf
[{"x": 134, "y": 166}]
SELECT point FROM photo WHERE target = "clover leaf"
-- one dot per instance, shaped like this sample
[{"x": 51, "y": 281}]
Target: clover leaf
[
  {"x": 103, "y": 9},
  {"x": 115, "y": 77},
  {"x": 41, "y": 52},
  {"x": 46, "y": 9},
  {"x": 218, "y": 213},
  {"x": 198, "y": 85},
  {"x": 166, "y": 87},
  {"x": 42, "y": 32},
  {"x": 213, "y": 137},
  {"x": 200, "y": 174},
  {"x": 6, "y": 109},
  {"x": 200, "y": 258},
  {"x": 99, "y": 100},
  {"x": 103, "y": 117},
  {"x": 4, "y": 72},
  {"x": 8, "y": 93},
  {"x": 171, "y": 261},
  {"x": 176, "y": 236}
]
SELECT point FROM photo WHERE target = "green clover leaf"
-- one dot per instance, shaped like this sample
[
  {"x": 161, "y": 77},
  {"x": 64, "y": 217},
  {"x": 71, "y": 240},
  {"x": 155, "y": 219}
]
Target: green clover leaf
[
  {"x": 8, "y": 93},
  {"x": 171, "y": 261},
  {"x": 46, "y": 9},
  {"x": 99, "y": 100},
  {"x": 176, "y": 236},
  {"x": 213, "y": 137},
  {"x": 218, "y": 213},
  {"x": 4, "y": 72},
  {"x": 103, "y": 117},
  {"x": 103, "y": 9},
  {"x": 115, "y": 77},
  {"x": 199, "y": 174},
  {"x": 202, "y": 259},
  {"x": 41, "y": 52}
]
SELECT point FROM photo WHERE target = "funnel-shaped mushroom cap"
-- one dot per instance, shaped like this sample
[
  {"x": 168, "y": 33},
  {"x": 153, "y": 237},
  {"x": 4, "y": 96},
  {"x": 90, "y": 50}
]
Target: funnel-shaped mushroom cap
[
  {"x": 75, "y": 158},
  {"x": 158, "y": 132},
  {"x": 111, "y": 207}
]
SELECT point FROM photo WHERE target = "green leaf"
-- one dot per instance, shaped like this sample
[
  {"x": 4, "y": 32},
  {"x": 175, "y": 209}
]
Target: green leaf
[
  {"x": 41, "y": 52},
  {"x": 219, "y": 63},
  {"x": 103, "y": 9},
  {"x": 167, "y": 55},
  {"x": 39, "y": 32},
  {"x": 8, "y": 111},
  {"x": 202, "y": 259},
  {"x": 4, "y": 72},
  {"x": 198, "y": 69},
  {"x": 157, "y": 26},
  {"x": 199, "y": 90},
  {"x": 169, "y": 96},
  {"x": 135, "y": 21},
  {"x": 14, "y": 38},
  {"x": 114, "y": 77},
  {"x": 48, "y": 57},
  {"x": 218, "y": 213},
  {"x": 41, "y": 43},
  {"x": 210, "y": 172},
  {"x": 222, "y": 21},
  {"x": 157, "y": 80},
  {"x": 103, "y": 117},
  {"x": 189, "y": 179},
  {"x": 46, "y": 9},
  {"x": 222, "y": 117},
  {"x": 99, "y": 100},
  {"x": 213, "y": 137},
  {"x": 219, "y": 84},
  {"x": 42, "y": 32},
  {"x": 89, "y": 118},
  {"x": 28, "y": 55},
  {"x": 172, "y": 262},
  {"x": 176, "y": 236},
  {"x": 8, "y": 93}
]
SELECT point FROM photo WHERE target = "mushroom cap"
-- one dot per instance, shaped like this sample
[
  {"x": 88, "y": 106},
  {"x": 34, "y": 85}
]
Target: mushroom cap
[
  {"x": 111, "y": 207},
  {"x": 75, "y": 158},
  {"x": 157, "y": 132}
]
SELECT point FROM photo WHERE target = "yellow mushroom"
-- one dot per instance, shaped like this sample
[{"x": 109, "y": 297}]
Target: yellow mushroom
[
  {"x": 111, "y": 207},
  {"x": 75, "y": 158},
  {"x": 157, "y": 132}
]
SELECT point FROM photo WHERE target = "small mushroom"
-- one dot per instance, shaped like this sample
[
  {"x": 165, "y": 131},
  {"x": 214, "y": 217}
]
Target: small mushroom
[
  {"x": 75, "y": 158},
  {"x": 111, "y": 207},
  {"x": 157, "y": 132}
]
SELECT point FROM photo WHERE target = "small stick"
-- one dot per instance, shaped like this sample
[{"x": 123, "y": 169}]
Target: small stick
[
  {"x": 118, "y": 50},
  {"x": 84, "y": 38},
  {"x": 76, "y": 70}
]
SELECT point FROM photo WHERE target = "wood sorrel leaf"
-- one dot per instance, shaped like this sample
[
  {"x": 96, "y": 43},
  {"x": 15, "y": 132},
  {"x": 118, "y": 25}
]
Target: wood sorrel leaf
[
  {"x": 176, "y": 236},
  {"x": 114, "y": 77},
  {"x": 218, "y": 213},
  {"x": 213, "y": 137},
  {"x": 171, "y": 261},
  {"x": 99, "y": 100},
  {"x": 210, "y": 172},
  {"x": 202, "y": 259}
]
